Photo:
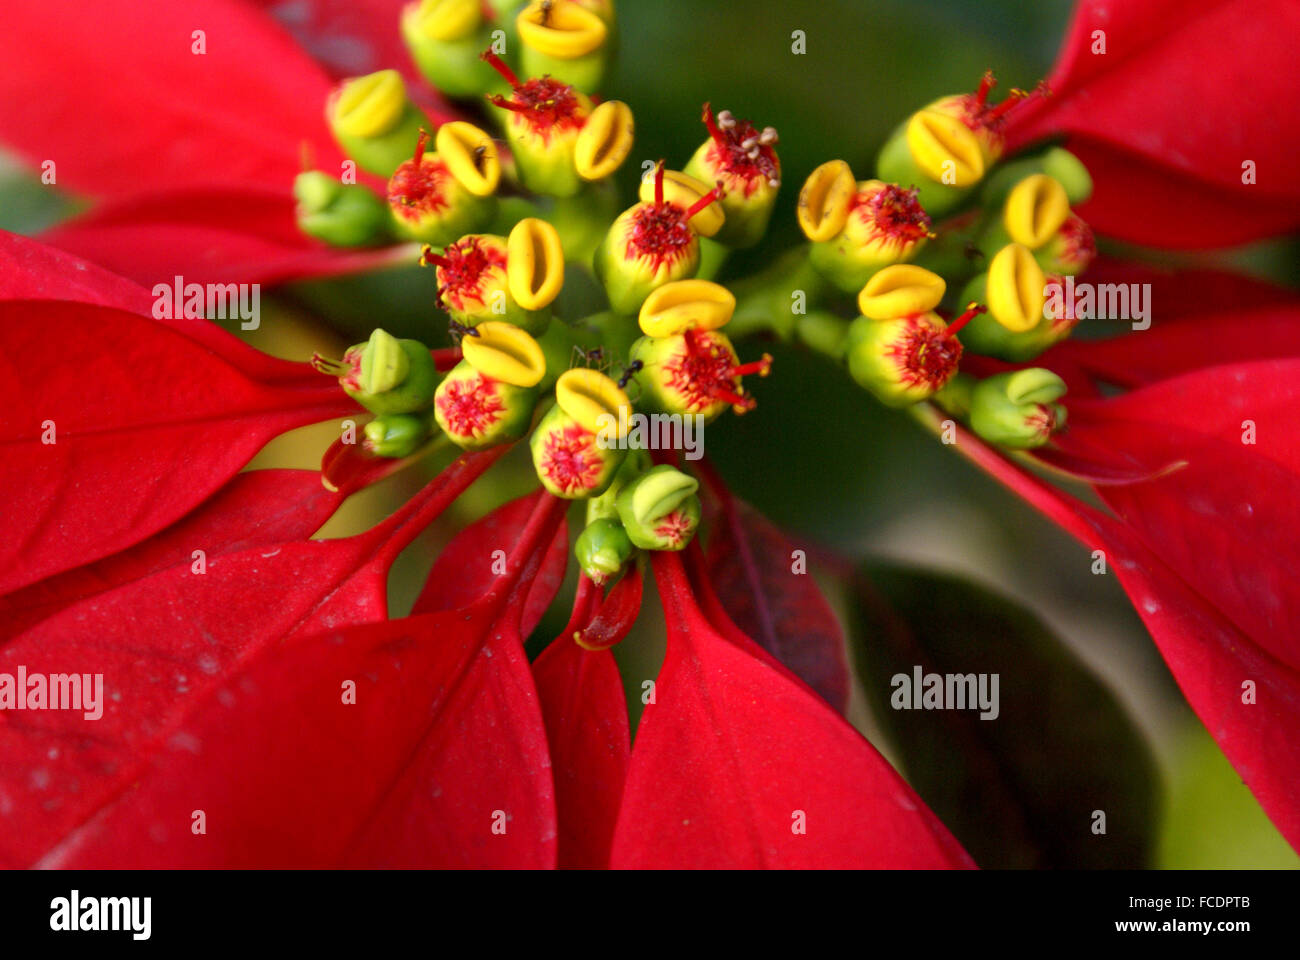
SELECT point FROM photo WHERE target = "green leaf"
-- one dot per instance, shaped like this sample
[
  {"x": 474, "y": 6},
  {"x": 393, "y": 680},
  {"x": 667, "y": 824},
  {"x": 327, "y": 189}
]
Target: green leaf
[{"x": 1020, "y": 790}]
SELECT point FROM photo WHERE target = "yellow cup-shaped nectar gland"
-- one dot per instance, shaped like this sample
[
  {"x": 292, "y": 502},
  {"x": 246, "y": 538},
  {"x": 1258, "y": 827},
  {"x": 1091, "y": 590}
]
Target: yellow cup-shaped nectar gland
[
  {"x": 1015, "y": 288},
  {"x": 1035, "y": 210},
  {"x": 825, "y": 200},
  {"x": 588, "y": 396},
  {"x": 945, "y": 149},
  {"x": 534, "y": 263},
  {"x": 369, "y": 106},
  {"x": 560, "y": 29},
  {"x": 684, "y": 190},
  {"x": 901, "y": 290},
  {"x": 505, "y": 352},
  {"x": 470, "y": 155},
  {"x": 605, "y": 140},
  {"x": 446, "y": 20},
  {"x": 686, "y": 305}
]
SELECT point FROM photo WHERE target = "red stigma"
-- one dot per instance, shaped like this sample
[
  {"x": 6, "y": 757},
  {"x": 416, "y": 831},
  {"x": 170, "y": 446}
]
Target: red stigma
[
  {"x": 742, "y": 152},
  {"x": 470, "y": 406},
  {"x": 659, "y": 184},
  {"x": 893, "y": 214},
  {"x": 500, "y": 66},
  {"x": 925, "y": 354},
  {"x": 659, "y": 233},
  {"x": 570, "y": 459},
  {"x": 706, "y": 373},
  {"x": 978, "y": 115},
  {"x": 973, "y": 310},
  {"x": 462, "y": 268},
  {"x": 544, "y": 103},
  {"x": 416, "y": 188}
]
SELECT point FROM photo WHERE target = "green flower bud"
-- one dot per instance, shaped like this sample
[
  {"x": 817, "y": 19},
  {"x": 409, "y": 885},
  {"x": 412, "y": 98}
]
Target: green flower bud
[
  {"x": 445, "y": 38},
  {"x": 602, "y": 549},
  {"x": 569, "y": 459},
  {"x": 939, "y": 195},
  {"x": 396, "y": 434},
  {"x": 695, "y": 372},
  {"x": 1070, "y": 251},
  {"x": 744, "y": 161},
  {"x": 955, "y": 396},
  {"x": 385, "y": 375},
  {"x": 659, "y": 509},
  {"x": 1017, "y": 409},
  {"x": 986, "y": 335},
  {"x": 477, "y": 411},
  {"x": 904, "y": 360},
  {"x": 1057, "y": 162},
  {"x": 429, "y": 203},
  {"x": 343, "y": 215},
  {"x": 474, "y": 284},
  {"x": 374, "y": 121},
  {"x": 565, "y": 40},
  {"x": 605, "y": 506},
  {"x": 882, "y": 224}
]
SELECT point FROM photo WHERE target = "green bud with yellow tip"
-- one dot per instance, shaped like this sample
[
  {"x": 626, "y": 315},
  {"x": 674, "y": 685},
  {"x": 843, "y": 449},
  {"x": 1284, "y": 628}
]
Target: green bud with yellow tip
[
  {"x": 436, "y": 198},
  {"x": 693, "y": 373},
  {"x": 445, "y": 38},
  {"x": 660, "y": 509},
  {"x": 1023, "y": 319},
  {"x": 743, "y": 160},
  {"x": 602, "y": 549},
  {"x": 564, "y": 39},
  {"x": 341, "y": 214},
  {"x": 477, "y": 411},
  {"x": 374, "y": 121},
  {"x": 903, "y": 360},
  {"x": 1018, "y": 409},
  {"x": 396, "y": 435}
]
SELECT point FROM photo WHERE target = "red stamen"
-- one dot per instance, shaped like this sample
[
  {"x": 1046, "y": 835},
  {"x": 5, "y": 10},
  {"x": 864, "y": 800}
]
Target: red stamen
[
  {"x": 761, "y": 367},
  {"x": 704, "y": 201},
  {"x": 499, "y": 101},
  {"x": 500, "y": 67},
  {"x": 420, "y": 143},
  {"x": 987, "y": 83},
  {"x": 714, "y": 130},
  {"x": 973, "y": 310},
  {"x": 427, "y": 256},
  {"x": 659, "y": 184},
  {"x": 1016, "y": 99}
]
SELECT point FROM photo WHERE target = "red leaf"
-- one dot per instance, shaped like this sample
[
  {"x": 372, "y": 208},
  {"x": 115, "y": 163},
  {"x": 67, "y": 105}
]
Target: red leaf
[
  {"x": 1187, "y": 344},
  {"x": 1210, "y": 655},
  {"x": 164, "y": 644},
  {"x": 735, "y": 748},
  {"x": 585, "y": 711},
  {"x": 245, "y": 234},
  {"x": 119, "y": 101},
  {"x": 750, "y": 566},
  {"x": 256, "y": 508},
  {"x": 1149, "y": 111},
  {"x": 466, "y": 567},
  {"x": 30, "y": 270},
  {"x": 147, "y": 424}
]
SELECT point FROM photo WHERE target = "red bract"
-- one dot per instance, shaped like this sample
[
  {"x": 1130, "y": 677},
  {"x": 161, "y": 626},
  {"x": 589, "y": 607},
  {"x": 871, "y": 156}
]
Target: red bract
[
  {"x": 777, "y": 778},
  {"x": 1166, "y": 117},
  {"x": 168, "y": 641}
]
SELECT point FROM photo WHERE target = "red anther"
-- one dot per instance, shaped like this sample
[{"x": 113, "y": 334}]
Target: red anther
[
  {"x": 500, "y": 67},
  {"x": 427, "y": 256},
  {"x": 710, "y": 197},
  {"x": 616, "y": 615},
  {"x": 973, "y": 310}
]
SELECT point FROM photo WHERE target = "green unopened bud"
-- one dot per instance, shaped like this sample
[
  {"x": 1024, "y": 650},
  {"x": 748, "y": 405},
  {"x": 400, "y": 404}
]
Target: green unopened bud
[
  {"x": 955, "y": 396},
  {"x": 605, "y": 506},
  {"x": 1057, "y": 162},
  {"x": 659, "y": 509},
  {"x": 445, "y": 38},
  {"x": 602, "y": 549},
  {"x": 396, "y": 434},
  {"x": 565, "y": 40},
  {"x": 374, "y": 121},
  {"x": 341, "y": 214},
  {"x": 1018, "y": 409},
  {"x": 385, "y": 375},
  {"x": 477, "y": 411}
]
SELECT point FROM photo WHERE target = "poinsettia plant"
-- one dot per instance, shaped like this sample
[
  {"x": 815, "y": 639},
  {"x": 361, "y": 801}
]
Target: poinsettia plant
[{"x": 190, "y": 675}]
